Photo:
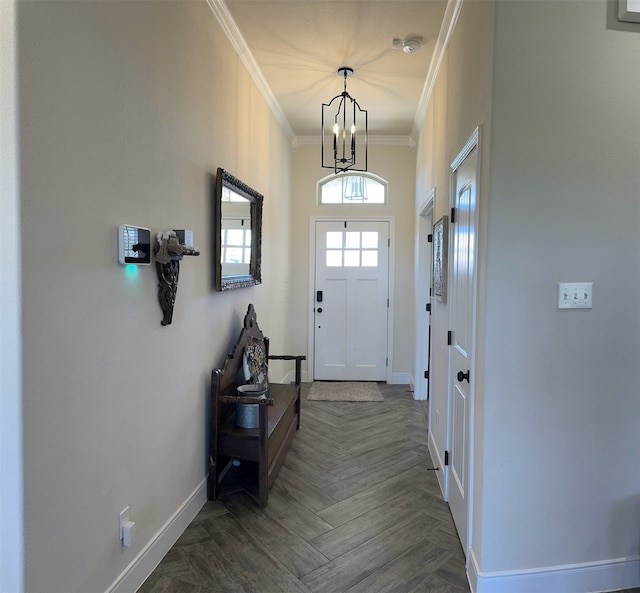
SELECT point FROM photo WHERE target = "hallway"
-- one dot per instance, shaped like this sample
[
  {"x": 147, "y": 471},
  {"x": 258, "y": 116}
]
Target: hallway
[{"x": 354, "y": 509}]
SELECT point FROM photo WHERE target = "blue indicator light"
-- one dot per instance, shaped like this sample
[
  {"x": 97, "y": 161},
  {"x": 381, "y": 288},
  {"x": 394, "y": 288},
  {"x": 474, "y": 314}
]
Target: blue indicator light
[{"x": 131, "y": 271}]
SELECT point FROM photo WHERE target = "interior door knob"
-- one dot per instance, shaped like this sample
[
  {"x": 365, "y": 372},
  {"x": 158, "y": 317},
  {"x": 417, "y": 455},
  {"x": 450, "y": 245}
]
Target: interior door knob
[{"x": 462, "y": 376}]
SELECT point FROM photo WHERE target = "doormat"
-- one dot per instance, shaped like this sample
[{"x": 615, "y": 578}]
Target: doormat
[{"x": 345, "y": 391}]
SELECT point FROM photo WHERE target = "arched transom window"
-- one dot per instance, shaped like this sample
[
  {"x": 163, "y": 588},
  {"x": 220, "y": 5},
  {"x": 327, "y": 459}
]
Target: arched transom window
[{"x": 349, "y": 188}]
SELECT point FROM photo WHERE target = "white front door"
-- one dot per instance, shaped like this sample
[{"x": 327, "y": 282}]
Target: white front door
[
  {"x": 351, "y": 300},
  {"x": 462, "y": 323}
]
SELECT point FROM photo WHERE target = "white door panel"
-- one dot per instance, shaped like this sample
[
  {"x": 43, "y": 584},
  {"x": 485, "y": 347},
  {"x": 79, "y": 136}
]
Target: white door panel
[
  {"x": 335, "y": 292},
  {"x": 458, "y": 437},
  {"x": 352, "y": 279},
  {"x": 463, "y": 278}
]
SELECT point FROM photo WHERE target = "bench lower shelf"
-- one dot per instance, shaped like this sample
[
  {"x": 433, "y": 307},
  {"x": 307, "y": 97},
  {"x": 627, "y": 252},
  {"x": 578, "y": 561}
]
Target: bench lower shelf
[{"x": 261, "y": 458}]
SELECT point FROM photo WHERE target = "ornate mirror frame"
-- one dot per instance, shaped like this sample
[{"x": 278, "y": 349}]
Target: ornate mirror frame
[{"x": 224, "y": 179}]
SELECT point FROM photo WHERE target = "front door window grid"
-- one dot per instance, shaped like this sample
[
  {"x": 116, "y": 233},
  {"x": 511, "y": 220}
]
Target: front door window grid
[{"x": 352, "y": 249}]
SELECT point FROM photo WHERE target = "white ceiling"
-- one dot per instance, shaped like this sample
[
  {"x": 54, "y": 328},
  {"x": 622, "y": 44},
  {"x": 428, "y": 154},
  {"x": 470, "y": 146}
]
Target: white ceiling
[{"x": 293, "y": 49}]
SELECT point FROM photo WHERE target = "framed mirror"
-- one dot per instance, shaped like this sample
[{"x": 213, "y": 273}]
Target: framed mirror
[{"x": 237, "y": 232}]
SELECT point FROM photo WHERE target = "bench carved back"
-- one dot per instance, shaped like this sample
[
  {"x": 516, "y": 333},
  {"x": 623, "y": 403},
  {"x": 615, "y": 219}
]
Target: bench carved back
[{"x": 227, "y": 379}]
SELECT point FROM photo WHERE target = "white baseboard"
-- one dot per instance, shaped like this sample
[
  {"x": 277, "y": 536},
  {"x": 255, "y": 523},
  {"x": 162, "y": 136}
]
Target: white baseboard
[
  {"x": 412, "y": 386},
  {"x": 591, "y": 577},
  {"x": 396, "y": 378},
  {"x": 400, "y": 379},
  {"x": 418, "y": 395},
  {"x": 290, "y": 377},
  {"x": 155, "y": 550}
]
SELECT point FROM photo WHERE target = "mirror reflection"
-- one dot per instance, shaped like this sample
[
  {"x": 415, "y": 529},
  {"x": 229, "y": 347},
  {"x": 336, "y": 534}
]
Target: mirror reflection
[
  {"x": 238, "y": 216},
  {"x": 235, "y": 256}
]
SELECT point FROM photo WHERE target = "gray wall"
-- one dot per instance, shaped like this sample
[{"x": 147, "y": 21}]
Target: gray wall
[
  {"x": 555, "y": 87},
  {"x": 561, "y": 402},
  {"x": 126, "y": 109}
]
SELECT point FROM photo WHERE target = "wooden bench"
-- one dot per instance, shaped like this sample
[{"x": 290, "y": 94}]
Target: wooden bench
[{"x": 260, "y": 451}]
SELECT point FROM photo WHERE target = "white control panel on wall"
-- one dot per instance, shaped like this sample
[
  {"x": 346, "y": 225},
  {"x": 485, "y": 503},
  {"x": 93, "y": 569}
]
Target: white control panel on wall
[
  {"x": 629, "y": 10},
  {"x": 575, "y": 295},
  {"x": 134, "y": 245}
]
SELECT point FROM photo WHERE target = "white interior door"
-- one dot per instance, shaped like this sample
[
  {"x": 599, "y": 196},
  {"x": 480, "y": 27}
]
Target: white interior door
[
  {"x": 462, "y": 323},
  {"x": 351, "y": 300}
]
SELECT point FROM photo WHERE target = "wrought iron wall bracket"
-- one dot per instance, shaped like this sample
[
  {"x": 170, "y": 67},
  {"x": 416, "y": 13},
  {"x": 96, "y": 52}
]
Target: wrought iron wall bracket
[{"x": 168, "y": 274}]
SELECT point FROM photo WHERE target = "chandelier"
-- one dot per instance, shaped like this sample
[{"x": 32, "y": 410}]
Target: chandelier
[{"x": 344, "y": 131}]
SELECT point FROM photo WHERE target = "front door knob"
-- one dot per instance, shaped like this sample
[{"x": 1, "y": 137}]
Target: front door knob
[{"x": 462, "y": 376}]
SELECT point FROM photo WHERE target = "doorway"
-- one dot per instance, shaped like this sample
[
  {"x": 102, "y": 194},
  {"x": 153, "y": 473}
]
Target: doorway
[
  {"x": 350, "y": 296},
  {"x": 423, "y": 300}
]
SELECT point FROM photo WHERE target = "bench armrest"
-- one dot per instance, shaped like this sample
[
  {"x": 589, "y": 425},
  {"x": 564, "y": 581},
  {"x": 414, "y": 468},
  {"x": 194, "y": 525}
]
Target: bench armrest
[
  {"x": 298, "y": 358},
  {"x": 287, "y": 357}
]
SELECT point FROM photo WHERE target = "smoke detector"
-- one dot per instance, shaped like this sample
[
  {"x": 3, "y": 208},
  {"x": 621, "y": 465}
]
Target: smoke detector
[{"x": 409, "y": 45}]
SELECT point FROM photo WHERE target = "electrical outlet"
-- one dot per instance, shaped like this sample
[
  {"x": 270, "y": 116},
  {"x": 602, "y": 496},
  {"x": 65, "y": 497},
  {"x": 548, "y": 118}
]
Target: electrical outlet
[
  {"x": 124, "y": 518},
  {"x": 575, "y": 295},
  {"x": 127, "y": 529}
]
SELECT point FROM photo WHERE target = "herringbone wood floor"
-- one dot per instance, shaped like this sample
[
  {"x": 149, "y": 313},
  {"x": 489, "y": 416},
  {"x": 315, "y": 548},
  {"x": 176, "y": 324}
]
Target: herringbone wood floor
[{"x": 354, "y": 509}]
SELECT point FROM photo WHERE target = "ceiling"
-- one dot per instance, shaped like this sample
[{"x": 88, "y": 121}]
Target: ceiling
[{"x": 293, "y": 49}]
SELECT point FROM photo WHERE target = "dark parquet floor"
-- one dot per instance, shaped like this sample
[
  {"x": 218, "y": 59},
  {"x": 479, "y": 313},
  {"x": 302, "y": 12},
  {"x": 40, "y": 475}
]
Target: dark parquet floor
[{"x": 354, "y": 510}]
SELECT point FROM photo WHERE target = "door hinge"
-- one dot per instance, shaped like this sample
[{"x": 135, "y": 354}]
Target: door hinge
[
  {"x": 446, "y": 457},
  {"x": 449, "y": 338},
  {"x": 453, "y": 215},
  {"x": 389, "y": 243},
  {"x": 429, "y": 307},
  {"x": 387, "y": 303},
  {"x": 426, "y": 374},
  {"x": 387, "y": 362},
  {"x": 429, "y": 238}
]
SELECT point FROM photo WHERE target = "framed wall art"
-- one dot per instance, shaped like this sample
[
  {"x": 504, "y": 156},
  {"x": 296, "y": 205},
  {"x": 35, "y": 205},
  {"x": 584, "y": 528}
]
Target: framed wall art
[{"x": 440, "y": 267}]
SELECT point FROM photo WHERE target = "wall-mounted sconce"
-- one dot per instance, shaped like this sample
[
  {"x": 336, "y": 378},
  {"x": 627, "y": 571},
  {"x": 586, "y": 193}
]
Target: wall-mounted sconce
[{"x": 171, "y": 247}]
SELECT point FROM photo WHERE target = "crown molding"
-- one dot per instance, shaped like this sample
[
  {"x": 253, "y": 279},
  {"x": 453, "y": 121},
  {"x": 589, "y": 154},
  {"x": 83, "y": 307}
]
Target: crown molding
[
  {"x": 224, "y": 18},
  {"x": 231, "y": 30},
  {"x": 447, "y": 27}
]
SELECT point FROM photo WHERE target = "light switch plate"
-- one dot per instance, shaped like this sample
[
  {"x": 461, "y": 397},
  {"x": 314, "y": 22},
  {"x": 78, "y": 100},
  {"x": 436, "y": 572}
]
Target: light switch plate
[{"x": 575, "y": 295}]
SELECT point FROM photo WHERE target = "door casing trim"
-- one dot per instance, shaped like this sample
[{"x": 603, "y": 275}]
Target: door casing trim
[{"x": 424, "y": 225}]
